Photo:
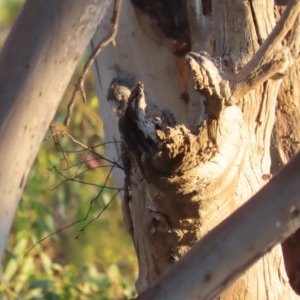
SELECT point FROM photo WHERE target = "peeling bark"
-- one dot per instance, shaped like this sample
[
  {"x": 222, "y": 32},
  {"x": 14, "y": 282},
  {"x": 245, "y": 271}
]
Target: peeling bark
[
  {"x": 230, "y": 248},
  {"x": 187, "y": 178}
]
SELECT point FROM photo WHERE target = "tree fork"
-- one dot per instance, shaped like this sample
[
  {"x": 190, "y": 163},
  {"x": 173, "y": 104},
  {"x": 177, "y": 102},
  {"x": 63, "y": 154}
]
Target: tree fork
[{"x": 225, "y": 126}]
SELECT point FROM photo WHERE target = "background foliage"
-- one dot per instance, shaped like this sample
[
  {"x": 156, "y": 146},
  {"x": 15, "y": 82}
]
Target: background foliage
[{"x": 90, "y": 259}]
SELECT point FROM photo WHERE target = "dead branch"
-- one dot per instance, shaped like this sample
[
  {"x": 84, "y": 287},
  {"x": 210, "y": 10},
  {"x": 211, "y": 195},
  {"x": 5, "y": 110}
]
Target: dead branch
[
  {"x": 55, "y": 133},
  {"x": 61, "y": 132},
  {"x": 269, "y": 59},
  {"x": 75, "y": 223},
  {"x": 110, "y": 39}
]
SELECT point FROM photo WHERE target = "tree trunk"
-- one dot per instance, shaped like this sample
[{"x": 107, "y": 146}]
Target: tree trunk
[
  {"x": 37, "y": 62},
  {"x": 185, "y": 179}
]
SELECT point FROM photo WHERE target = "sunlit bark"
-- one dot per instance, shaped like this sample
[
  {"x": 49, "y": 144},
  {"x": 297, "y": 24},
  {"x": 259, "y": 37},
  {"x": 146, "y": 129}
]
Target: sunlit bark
[{"x": 188, "y": 178}]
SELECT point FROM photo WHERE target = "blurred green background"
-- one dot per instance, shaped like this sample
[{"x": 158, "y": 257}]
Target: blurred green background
[{"x": 88, "y": 260}]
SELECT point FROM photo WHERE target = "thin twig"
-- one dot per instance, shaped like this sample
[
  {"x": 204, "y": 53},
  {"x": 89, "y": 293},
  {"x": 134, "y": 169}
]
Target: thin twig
[
  {"x": 85, "y": 147},
  {"x": 72, "y": 224},
  {"x": 98, "y": 216},
  {"x": 100, "y": 192},
  {"x": 74, "y": 179},
  {"x": 86, "y": 215},
  {"x": 110, "y": 39},
  {"x": 58, "y": 145},
  {"x": 78, "y": 165}
]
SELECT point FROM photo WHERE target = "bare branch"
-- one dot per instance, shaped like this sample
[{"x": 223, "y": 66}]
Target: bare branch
[
  {"x": 101, "y": 187},
  {"x": 62, "y": 132},
  {"x": 99, "y": 215},
  {"x": 110, "y": 39},
  {"x": 74, "y": 223},
  {"x": 270, "y": 59},
  {"x": 263, "y": 65}
]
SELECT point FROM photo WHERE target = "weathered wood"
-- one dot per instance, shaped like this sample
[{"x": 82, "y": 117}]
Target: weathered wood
[
  {"x": 229, "y": 249},
  {"x": 218, "y": 155}
]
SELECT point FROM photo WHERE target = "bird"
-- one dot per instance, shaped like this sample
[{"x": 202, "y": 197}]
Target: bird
[
  {"x": 139, "y": 120},
  {"x": 118, "y": 96},
  {"x": 119, "y": 91}
]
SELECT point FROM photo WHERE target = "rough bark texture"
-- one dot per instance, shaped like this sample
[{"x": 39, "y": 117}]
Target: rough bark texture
[
  {"x": 285, "y": 144},
  {"x": 215, "y": 261},
  {"x": 186, "y": 179}
]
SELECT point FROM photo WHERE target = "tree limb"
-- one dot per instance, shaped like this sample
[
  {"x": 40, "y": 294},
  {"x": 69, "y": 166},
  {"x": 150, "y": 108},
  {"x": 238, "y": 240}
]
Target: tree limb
[
  {"x": 270, "y": 59},
  {"x": 263, "y": 66},
  {"x": 47, "y": 39}
]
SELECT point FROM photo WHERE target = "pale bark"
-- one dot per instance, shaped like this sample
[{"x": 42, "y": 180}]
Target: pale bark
[
  {"x": 229, "y": 249},
  {"x": 36, "y": 65},
  {"x": 219, "y": 155}
]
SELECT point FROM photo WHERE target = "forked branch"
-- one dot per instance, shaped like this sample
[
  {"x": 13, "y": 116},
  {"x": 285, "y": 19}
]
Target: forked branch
[{"x": 271, "y": 58}]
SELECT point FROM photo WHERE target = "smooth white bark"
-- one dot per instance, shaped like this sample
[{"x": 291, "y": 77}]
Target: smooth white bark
[{"x": 36, "y": 65}]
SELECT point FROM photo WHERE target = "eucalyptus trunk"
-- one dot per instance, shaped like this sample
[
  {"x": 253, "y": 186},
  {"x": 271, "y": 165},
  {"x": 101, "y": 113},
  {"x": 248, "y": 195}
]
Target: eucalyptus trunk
[
  {"x": 37, "y": 62},
  {"x": 228, "y": 72}
]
